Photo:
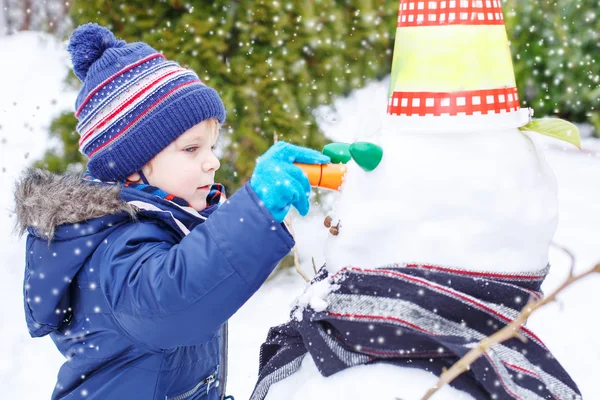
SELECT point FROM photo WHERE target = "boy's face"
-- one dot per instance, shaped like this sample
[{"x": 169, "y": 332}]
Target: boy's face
[{"x": 186, "y": 168}]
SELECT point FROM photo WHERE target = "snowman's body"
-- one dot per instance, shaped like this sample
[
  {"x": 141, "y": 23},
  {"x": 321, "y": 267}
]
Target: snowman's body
[
  {"x": 478, "y": 201},
  {"x": 483, "y": 200},
  {"x": 443, "y": 239},
  {"x": 376, "y": 381}
]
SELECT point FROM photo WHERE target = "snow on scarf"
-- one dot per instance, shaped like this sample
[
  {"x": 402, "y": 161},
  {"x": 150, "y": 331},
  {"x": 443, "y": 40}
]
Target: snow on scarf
[{"x": 421, "y": 317}]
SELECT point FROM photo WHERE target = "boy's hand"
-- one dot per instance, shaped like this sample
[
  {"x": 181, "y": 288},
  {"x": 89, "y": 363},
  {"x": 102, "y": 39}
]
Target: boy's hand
[{"x": 279, "y": 183}]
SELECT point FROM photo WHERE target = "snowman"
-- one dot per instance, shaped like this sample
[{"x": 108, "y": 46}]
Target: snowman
[{"x": 453, "y": 245}]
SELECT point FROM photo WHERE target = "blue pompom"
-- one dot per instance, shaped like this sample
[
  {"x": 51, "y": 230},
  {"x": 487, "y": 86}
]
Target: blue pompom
[{"x": 87, "y": 44}]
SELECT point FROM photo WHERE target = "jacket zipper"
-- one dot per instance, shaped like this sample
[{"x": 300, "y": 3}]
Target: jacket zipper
[
  {"x": 224, "y": 360},
  {"x": 208, "y": 381}
]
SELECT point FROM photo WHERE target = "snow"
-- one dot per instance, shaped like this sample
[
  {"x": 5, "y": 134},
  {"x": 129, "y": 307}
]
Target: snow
[
  {"x": 315, "y": 297},
  {"x": 33, "y": 94},
  {"x": 28, "y": 367},
  {"x": 380, "y": 381}
]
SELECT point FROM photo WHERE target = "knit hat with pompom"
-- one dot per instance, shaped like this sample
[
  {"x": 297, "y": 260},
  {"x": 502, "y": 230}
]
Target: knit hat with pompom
[{"x": 133, "y": 102}]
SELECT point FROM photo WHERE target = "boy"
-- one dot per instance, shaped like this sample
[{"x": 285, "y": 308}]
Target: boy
[{"x": 125, "y": 270}]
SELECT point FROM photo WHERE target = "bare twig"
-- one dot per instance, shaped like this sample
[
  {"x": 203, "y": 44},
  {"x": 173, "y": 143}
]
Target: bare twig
[
  {"x": 509, "y": 331},
  {"x": 288, "y": 222},
  {"x": 569, "y": 253},
  {"x": 314, "y": 265}
]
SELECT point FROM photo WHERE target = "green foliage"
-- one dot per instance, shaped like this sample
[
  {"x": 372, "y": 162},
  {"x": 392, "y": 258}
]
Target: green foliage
[
  {"x": 556, "y": 128},
  {"x": 556, "y": 56},
  {"x": 272, "y": 62},
  {"x": 63, "y": 129}
]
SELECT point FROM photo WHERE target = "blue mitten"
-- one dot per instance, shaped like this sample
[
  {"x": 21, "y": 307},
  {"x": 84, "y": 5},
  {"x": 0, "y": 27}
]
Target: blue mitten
[{"x": 279, "y": 183}]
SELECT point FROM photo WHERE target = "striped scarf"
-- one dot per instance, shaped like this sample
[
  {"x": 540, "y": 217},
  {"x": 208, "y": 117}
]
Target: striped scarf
[{"x": 423, "y": 317}]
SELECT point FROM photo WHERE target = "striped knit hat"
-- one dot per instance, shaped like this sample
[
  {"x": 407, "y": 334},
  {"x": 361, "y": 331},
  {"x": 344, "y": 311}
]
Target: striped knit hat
[{"x": 133, "y": 102}]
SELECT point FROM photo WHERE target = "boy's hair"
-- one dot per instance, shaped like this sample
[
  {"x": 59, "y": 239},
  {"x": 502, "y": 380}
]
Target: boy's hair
[
  {"x": 216, "y": 125},
  {"x": 133, "y": 102}
]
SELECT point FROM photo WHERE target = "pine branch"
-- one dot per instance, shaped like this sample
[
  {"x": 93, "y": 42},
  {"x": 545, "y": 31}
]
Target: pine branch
[{"x": 509, "y": 331}]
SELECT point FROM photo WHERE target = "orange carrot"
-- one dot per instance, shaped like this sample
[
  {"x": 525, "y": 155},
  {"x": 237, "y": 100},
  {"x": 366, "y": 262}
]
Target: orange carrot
[{"x": 327, "y": 176}]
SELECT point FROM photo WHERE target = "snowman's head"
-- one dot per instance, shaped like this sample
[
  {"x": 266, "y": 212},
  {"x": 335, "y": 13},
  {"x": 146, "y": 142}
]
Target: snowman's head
[{"x": 484, "y": 200}]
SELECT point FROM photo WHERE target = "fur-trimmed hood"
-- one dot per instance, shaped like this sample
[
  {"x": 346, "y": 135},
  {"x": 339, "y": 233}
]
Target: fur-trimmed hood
[
  {"x": 44, "y": 201},
  {"x": 68, "y": 219}
]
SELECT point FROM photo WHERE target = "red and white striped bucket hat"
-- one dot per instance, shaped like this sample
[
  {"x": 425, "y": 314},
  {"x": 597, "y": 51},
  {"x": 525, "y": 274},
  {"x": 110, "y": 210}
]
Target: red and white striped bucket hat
[{"x": 452, "y": 67}]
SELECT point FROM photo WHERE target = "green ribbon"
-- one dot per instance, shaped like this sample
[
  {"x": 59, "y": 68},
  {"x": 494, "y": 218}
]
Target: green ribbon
[{"x": 366, "y": 155}]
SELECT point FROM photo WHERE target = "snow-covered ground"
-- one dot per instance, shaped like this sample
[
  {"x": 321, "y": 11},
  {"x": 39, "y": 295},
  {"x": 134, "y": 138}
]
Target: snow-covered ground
[{"x": 32, "y": 93}]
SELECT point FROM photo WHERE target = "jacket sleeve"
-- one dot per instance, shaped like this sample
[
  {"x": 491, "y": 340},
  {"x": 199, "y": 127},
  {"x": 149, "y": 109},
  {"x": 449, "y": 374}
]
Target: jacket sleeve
[{"x": 167, "y": 294}]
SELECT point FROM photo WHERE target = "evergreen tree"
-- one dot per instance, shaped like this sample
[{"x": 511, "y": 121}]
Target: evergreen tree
[
  {"x": 68, "y": 157},
  {"x": 273, "y": 62},
  {"x": 556, "y": 56}
]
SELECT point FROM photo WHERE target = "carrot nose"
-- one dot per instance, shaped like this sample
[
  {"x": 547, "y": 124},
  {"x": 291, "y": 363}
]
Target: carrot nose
[{"x": 326, "y": 176}]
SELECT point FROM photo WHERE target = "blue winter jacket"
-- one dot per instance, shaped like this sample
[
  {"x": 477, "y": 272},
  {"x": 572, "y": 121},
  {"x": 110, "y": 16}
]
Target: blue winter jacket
[{"x": 134, "y": 290}]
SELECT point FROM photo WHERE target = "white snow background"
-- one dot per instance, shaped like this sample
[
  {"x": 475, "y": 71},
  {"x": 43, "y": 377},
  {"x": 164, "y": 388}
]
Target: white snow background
[{"x": 32, "y": 93}]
